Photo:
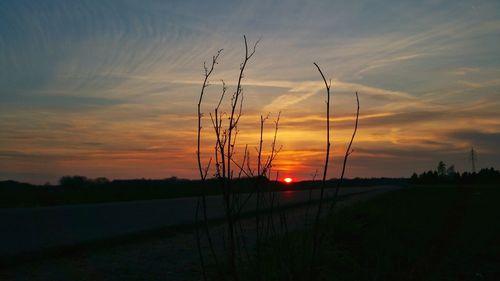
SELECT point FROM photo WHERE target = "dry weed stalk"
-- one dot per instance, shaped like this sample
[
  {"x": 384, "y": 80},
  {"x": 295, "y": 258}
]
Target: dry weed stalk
[
  {"x": 348, "y": 152},
  {"x": 317, "y": 235},
  {"x": 225, "y": 129},
  {"x": 227, "y": 169}
]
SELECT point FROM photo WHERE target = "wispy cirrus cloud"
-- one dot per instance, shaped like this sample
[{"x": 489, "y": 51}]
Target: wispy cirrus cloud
[{"x": 101, "y": 86}]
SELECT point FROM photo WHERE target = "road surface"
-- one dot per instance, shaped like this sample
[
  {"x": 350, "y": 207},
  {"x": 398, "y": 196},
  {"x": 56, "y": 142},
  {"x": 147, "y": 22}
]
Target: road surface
[
  {"x": 161, "y": 257},
  {"x": 34, "y": 229}
]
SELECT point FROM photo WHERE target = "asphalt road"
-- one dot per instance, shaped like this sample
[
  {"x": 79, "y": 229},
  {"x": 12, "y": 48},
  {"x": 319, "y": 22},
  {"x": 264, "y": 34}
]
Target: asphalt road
[{"x": 34, "y": 229}]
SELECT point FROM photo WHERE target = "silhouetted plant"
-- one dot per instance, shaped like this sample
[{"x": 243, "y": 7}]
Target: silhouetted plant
[
  {"x": 203, "y": 172},
  {"x": 317, "y": 234},
  {"x": 348, "y": 152},
  {"x": 227, "y": 170}
]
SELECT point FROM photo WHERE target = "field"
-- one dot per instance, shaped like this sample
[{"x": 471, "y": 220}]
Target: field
[
  {"x": 14, "y": 194},
  {"x": 416, "y": 233},
  {"x": 413, "y": 233}
]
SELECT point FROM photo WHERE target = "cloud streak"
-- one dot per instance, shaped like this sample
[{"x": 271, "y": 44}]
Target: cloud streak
[{"x": 110, "y": 86}]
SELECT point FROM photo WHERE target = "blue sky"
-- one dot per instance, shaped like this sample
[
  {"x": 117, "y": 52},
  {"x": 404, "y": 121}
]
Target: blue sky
[{"x": 109, "y": 88}]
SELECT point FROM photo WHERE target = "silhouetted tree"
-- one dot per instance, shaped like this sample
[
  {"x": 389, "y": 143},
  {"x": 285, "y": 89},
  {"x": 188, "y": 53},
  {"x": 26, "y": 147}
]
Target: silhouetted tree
[
  {"x": 74, "y": 181},
  {"x": 414, "y": 178},
  {"x": 484, "y": 176},
  {"x": 441, "y": 169},
  {"x": 100, "y": 181},
  {"x": 450, "y": 172}
]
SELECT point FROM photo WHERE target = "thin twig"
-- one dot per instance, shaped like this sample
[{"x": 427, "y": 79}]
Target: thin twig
[{"x": 347, "y": 153}]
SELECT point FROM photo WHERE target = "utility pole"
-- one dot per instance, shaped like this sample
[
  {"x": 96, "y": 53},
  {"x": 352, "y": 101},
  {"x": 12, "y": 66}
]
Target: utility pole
[{"x": 473, "y": 159}]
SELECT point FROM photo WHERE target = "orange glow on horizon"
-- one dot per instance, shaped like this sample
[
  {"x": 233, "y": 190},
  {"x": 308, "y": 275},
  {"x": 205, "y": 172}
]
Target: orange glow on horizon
[{"x": 288, "y": 180}]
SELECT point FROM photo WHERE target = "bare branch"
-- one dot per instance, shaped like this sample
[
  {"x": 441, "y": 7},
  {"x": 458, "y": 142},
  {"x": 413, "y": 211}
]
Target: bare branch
[
  {"x": 208, "y": 72},
  {"x": 347, "y": 153},
  {"x": 325, "y": 168},
  {"x": 203, "y": 173},
  {"x": 254, "y": 48},
  {"x": 244, "y": 160},
  {"x": 324, "y": 79},
  {"x": 316, "y": 237},
  {"x": 224, "y": 88}
]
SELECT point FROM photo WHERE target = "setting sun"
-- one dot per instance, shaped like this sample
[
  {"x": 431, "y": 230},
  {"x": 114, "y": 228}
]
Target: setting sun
[{"x": 288, "y": 180}]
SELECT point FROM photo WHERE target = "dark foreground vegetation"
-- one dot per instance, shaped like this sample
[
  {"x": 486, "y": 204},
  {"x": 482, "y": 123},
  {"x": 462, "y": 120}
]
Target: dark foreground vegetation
[
  {"x": 82, "y": 190},
  {"x": 416, "y": 233}
]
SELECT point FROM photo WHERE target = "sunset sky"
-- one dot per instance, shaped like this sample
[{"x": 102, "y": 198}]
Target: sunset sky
[{"x": 109, "y": 88}]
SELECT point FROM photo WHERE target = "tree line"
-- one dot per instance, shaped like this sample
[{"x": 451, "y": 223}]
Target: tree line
[{"x": 448, "y": 174}]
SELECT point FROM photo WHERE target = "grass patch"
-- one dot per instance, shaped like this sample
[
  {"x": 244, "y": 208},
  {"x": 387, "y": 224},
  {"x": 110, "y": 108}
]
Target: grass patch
[{"x": 419, "y": 233}]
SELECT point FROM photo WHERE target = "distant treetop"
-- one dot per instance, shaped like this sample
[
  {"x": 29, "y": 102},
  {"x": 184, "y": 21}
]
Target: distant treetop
[{"x": 442, "y": 174}]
